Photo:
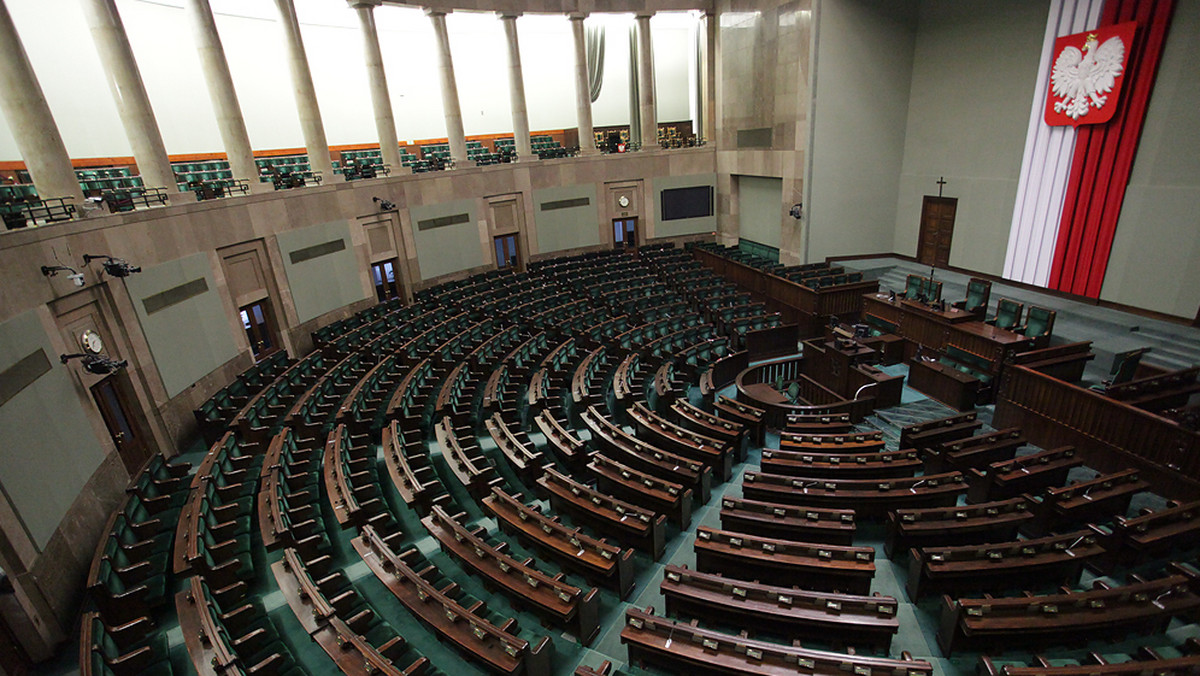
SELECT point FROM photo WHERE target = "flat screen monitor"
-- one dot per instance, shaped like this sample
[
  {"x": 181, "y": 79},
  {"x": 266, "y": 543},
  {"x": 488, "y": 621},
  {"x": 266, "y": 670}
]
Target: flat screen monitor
[{"x": 680, "y": 203}]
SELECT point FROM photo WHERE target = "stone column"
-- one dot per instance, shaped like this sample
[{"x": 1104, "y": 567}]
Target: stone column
[
  {"x": 133, "y": 104},
  {"x": 708, "y": 83},
  {"x": 306, "y": 96},
  {"x": 30, "y": 120},
  {"x": 646, "y": 83},
  {"x": 583, "y": 87},
  {"x": 454, "y": 122},
  {"x": 224, "y": 98},
  {"x": 381, "y": 100},
  {"x": 516, "y": 88}
]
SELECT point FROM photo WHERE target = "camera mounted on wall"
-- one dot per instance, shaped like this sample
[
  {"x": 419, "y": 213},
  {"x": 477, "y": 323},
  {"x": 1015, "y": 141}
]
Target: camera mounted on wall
[
  {"x": 797, "y": 211},
  {"x": 96, "y": 364},
  {"x": 52, "y": 270},
  {"x": 115, "y": 267}
]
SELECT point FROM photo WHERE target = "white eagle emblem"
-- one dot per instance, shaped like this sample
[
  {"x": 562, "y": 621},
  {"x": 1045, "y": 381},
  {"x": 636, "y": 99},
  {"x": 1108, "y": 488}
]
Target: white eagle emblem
[{"x": 1082, "y": 79}]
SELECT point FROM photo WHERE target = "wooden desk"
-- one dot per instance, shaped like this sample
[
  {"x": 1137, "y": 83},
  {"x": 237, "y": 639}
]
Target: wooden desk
[
  {"x": 1098, "y": 499},
  {"x": 688, "y": 649},
  {"x": 1153, "y": 535},
  {"x": 618, "y": 445},
  {"x": 787, "y": 611},
  {"x": 956, "y": 525},
  {"x": 785, "y": 562},
  {"x": 1066, "y": 618},
  {"x": 596, "y": 560},
  {"x": 712, "y": 452},
  {"x": 885, "y": 465},
  {"x": 868, "y": 498},
  {"x": 475, "y": 636},
  {"x": 570, "y": 448},
  {"x": 564, "y": 604},
  {"x": 958, "y": 390},
  {"x": 703, "y": 422},
  {"x": 1055, "y": 559},
  {"x": 788, "y": 522},
  {"x": 1023, "y": 474},
  {"x": 631, "y": 525}
]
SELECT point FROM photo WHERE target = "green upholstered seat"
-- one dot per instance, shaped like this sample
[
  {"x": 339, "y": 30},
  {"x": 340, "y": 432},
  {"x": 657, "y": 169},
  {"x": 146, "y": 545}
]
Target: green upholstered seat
[{"x": 1008, "y": 314}]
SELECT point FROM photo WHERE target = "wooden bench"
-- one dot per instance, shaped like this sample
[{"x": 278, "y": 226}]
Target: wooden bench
[
  {"x": 1024, "y": 474},
  {"x": 1067, "y": 618},
  {"x": 703, "y": 422},
  {"x": 645, "y": 490},
  {"x": 788, "y": 611},
  {"x": 687, "y": 648},
  {"x": 955, "y": 525},
  {"x": 1054, "y": 559},
  {"x": 568, "y": 447},
  {"x": 774, "y": 561},
  {"x": 867, "y": 497},
  {"x": 1147, "y": 661},
  {"x": 856, "y": 442},
  {"x": 409, "y": 467},
  {"x": 1158, "y": 392},
  {"x": 818, "y": 423}
]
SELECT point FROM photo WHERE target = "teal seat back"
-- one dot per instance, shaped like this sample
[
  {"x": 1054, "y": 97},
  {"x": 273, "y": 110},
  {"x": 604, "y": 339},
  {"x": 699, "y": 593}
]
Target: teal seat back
[
  {"x": 1008, "y": 313},
  {"x": 914, "y": 286},
  {"x": 978, "y": 291},
  {"x": 1039, "y": 322}
]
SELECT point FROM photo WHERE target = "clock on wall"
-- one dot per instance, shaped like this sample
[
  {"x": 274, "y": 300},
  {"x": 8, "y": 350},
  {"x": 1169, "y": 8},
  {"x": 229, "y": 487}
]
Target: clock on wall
[
  {"x": 623, "y": 200},
  {"x": 91, "y": 342}
]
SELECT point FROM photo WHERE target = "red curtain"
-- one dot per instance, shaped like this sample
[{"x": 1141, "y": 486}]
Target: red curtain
[{"x": 1104, "y": 155}]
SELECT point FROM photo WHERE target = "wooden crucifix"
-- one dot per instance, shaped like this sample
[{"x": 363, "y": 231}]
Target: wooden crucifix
[{"x": 941, "y": 184}]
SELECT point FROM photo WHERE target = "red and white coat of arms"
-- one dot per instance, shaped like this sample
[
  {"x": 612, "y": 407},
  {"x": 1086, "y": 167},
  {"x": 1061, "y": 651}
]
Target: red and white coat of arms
[{"x": 1089, "y": 67}]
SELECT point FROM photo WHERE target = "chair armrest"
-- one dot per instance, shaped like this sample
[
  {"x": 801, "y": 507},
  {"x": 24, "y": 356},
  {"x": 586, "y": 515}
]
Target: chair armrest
[{"x": 131, "y": 663}]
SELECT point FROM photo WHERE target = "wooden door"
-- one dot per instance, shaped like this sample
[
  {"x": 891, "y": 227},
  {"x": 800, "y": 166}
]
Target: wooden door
[
  {"x": 113, "y": 398},
  {"x": 260, "y": 330},
  {"x": 625, "y": 233},
  {"x": 937, "y": 229}
]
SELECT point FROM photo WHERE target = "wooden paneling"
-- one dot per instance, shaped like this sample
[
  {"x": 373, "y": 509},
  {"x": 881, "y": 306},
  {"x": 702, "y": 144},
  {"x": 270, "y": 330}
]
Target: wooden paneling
[{"x": 1111, "y": 435}]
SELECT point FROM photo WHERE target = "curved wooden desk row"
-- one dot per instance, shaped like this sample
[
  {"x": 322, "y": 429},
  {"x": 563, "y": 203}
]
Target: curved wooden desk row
[
  {"x": 1023, "y": 474},
  {"x": 970, "y": 524},
  {"x": 869, "y": 498},
  {"x": 369, "y": 396},
  {"x": 752, "y": 557},
  {"x": 496, "y": 646},
  {"x": 931, "y": 433},
  {"x": 1003, "y": 565},
  {"x": 466, "y": 460},
  {"x": 1148, "y": 661},
  {"x": 409, "y": 399},
  {"x": 409, "y": 467},
  {"x": 597, "y": 560},
  {"x": 642, "y": 489},
  {"x": 974, "y": 451},
  {"x": 687, "y": 648},
  {"x": 1069, "y": 617},
  {"x": 325, "y": 605},
  {"x": 702, "y": 422},
  {"x": 629, "y": 524},
  {"x": 885, "y": 465},
  {"x": 569, "y": 448},
  {"x": 667, "y": 435},
  {"x": 351, "y": 480},
  {"x": 516, "y": 447},
  {"x": 619, "y": 445},
  {"x": 788, "y": 611},
  {"x": 788, "y": 522},
  {"x": 550, "y": 596}
]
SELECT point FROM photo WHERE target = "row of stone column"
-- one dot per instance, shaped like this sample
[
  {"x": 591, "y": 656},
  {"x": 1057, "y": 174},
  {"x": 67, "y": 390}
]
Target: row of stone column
[{"x": 45, "y": 155}]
